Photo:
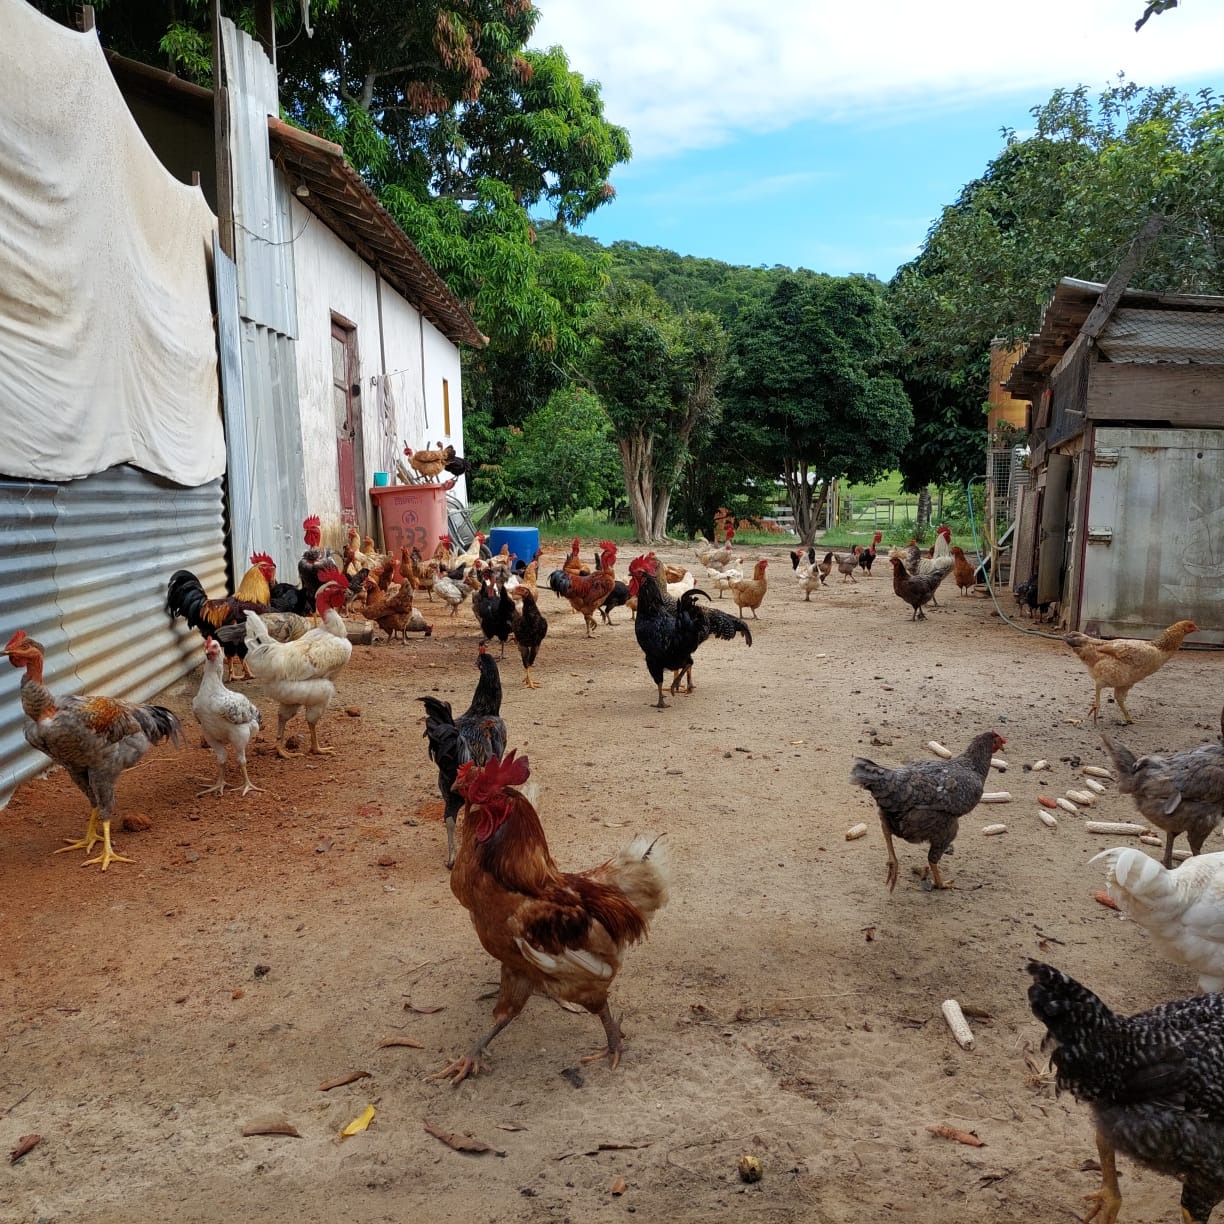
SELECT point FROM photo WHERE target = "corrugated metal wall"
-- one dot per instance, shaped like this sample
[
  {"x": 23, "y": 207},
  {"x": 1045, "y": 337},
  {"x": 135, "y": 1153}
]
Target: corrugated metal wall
[
  {"x": 83, "y": 569},
  {"x": 269, "y": 509}
]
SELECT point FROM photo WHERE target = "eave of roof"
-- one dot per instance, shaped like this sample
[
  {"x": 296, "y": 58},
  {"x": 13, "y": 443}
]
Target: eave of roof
[
  {"x": 340, "y": 198},
  {"x": 1064, "y": 315}
]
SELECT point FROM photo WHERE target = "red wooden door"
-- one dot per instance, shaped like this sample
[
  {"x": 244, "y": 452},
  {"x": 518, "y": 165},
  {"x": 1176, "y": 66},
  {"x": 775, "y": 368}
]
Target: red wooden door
[{"x": 346, "y": 391}]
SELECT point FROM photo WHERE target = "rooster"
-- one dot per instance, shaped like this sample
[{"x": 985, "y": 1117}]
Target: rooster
[
  {"x": 228, "y": 719},
  {"x": 587, "y": 592},
  {"x": 311, "y": 564},
  {"x": 186, "y": 597},
  {"x": 478, "y": 735},
  {"x": 94, "y": 738},
  {"x": 299, "y": 674},
  {"x": 555, "y": 933},
  {"x": 530, "y": 628},
  {"x": 669, "y": 631},
  {"x": 866, "y": 556}
]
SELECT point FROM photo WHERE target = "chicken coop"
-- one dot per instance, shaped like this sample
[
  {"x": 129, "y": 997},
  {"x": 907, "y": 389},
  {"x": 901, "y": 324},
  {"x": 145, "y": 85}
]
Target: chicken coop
[{"x": 1123, "y": 521}]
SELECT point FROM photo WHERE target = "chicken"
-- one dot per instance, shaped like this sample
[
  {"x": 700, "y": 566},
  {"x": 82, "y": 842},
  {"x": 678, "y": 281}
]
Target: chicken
[
  {"x": 669, "y": 632},
  {"x": 313, "y": 561},
  {"x": 1026, "y": 598},
  {"x": 847, "y": 563},
  {"x": 915, "y": 589},
  {"x": 186, "y": 597},
  {"x": 1121, "y": 663},
  {"x": 228, "y": 719},
  {"x": 587, "y": 592},
  {"x": 393, "y": 614},
  {"x": 299, "y": 674},
  {"x": 750, "y": 592},
  {"x": 474, "y": 551},
  {"x": 94, "y": 738},
  {"x": 963, "y": 570},
  {"x": 282, "y": 596},
  {"x": 428, "y": 464},
  {"x": 1179, "y": 793},
  {"x": 478, "y": 735},
  {"x": 825, "y": 566},
  {"x": 678, "y": 580},
  {"x": 924, "y": 802},
  {"x": 495, "y": 611},
  {"x": 618, "y": 597},
  {"x": 866, "y": 556},
  {"x": 722, "y": 580},
  {"x": 803, "y": 563},
  {"x": 1179, "y": 909},
  {"x": 1154, "y": 1081},
  {"x": 529, "y": 628},
  {"x": 455, "y": 465},
  {"x": 714, "y": 558},
  {"x": 451, "y": 592},
  {"x": 555, "y": 933}
]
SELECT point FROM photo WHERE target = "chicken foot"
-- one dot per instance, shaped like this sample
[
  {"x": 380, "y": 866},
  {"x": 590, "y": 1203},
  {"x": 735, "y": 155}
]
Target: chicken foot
[
  {"x": 1108, "y": 1198},
  {"x": 511, "y": 999},
  {"x": 932, "y": 870},
  {"x": 528, "y": 682},
  {"x": 616, "y": 1040},
  {"x": 91, "y": 838},
  {"x": 108, "y": 855}
]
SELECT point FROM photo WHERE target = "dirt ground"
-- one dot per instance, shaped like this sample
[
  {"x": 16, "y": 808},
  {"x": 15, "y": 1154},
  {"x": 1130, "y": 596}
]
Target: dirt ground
[{"x": 785, "y": 1004}]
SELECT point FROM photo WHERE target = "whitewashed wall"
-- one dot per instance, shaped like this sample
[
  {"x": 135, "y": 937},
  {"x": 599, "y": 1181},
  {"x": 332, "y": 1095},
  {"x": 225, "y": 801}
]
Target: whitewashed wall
[{"x": 332, "y": 279}]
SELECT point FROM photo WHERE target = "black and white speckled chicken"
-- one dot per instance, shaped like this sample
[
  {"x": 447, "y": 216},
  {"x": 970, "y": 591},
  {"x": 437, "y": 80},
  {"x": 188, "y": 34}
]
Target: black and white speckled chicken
[{"x": 1155, "y": 1082}]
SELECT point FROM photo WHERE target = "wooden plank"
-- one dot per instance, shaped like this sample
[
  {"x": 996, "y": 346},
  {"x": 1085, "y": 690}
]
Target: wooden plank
[{"x": 1190, "y": 395}]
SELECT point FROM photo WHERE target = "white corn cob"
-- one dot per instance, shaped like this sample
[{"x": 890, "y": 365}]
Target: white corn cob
[
  {"x": 1087, "y": 798},
  {"x": 1094, "y": 786},
  {"x": 1096, "y": 771},
  {"x": 1038, "y": 766},
  {"x": 1048, "y": 818},
  {"x": 855, "y": 831},
  {"x": 994, "y": 830},
  {"x": 1066, "y": 805},
  {"x": 996, "y": 797},
  {"x": 1120, "y": 827},
  {"x": 957, "y": 1023},
  {"x": 998, "y": 763},
  {"x": 939, "y": 750}
]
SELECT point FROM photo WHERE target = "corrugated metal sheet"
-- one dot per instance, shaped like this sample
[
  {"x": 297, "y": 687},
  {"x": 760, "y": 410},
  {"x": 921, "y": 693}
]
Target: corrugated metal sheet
[
  {"x": 1153, "y": 545},
  {"x": 263, "y": 232},
  {"x": 83, "y": 570}
]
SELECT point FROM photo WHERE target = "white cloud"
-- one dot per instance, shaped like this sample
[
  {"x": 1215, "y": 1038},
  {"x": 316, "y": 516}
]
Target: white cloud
[{"x": 687, "y": 75}]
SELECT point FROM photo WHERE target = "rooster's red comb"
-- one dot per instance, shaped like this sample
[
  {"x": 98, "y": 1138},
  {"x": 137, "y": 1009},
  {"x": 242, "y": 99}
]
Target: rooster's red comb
[
  {"x": 16, "y": 639},
  {"x": 332, "y": 574},
  {"x": 485, "y": 782},
  {"x": 311, "y": 521},
  {"x": 262, "y": 559},
  {"x": 576, "y": 545}
]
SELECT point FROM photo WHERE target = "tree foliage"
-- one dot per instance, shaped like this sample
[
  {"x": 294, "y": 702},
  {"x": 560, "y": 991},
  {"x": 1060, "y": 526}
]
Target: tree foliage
[{"x": 811, "y": 371}]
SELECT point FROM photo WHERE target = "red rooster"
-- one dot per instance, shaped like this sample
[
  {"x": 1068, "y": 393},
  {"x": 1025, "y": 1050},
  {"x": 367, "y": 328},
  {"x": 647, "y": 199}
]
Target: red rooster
[
  {"x": 555, "y": 933},
  {"x": 587, "y": 592},
  {"x": 94, "y": 738}
]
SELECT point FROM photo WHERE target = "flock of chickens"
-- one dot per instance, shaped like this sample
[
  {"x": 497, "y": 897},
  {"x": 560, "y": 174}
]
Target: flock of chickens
[{"x": 1155, "y": 1081}]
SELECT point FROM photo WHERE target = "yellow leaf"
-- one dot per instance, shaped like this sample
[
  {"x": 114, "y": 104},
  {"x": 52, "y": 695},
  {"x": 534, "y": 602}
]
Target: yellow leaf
[{"x": 358, "y": 1124}]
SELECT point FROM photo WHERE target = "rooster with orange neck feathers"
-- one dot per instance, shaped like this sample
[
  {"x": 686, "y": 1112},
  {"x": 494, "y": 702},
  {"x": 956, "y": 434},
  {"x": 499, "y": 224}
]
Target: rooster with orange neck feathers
[{"x": 555, "y": 933}]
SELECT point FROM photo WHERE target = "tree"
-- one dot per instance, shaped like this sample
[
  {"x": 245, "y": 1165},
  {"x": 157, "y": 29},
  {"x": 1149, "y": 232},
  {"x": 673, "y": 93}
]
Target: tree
[
  {"x": 811, "y": 369},
  {"x": 656, "y": 373}
]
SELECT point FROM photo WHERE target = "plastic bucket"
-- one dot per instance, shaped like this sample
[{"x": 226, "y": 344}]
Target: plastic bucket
[
  {"x": 382, "y": 479},
  {"x": 522, "y": 541},
  {"x": 413, "y": 516}
]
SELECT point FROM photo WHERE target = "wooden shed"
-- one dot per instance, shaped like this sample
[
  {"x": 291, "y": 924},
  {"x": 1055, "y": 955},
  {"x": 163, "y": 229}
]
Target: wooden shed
[{"x": 1123, "y": 522}]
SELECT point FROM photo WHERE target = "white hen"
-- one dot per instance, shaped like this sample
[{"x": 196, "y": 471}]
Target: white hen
[
  {"x": 299, "y": 674},
  {"x": 1182, "y": 910},
  {"x": 228, "y": 719}
]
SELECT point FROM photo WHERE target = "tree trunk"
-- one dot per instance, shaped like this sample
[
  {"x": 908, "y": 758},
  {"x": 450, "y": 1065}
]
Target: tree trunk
[
  {"x": 662, "y": 504},
  {"x": 639, "y": 485},
  {"x": 924, "y": 507}
]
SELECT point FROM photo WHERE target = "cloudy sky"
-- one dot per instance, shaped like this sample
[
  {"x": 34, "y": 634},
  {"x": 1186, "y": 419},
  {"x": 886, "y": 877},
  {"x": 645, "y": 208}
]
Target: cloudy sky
[{"x": 828, "y": 135}]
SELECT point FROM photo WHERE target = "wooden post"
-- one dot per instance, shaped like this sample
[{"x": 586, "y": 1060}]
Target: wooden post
[
  {"x": 225, "y": 188},
  {"x": 86, "y": 19},
  {"x": 265, "y": 28}
]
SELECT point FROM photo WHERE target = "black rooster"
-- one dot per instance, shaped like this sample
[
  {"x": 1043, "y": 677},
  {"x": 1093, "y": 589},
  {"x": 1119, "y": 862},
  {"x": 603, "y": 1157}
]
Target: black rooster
[
  {"x": 476, "y": 735},
  {"x": 495, "y": 611},
  {"x": 1155, "y": 1082},
  {"x": 669, "y": 631},
  {"x": 529, "y": 628}
]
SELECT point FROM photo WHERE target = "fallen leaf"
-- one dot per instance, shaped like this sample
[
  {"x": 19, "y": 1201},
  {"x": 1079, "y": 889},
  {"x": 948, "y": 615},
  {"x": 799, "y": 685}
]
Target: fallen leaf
[
  {"x": 460, "y": 1143},
  {"x": 388, "y": 1042},
  {"x": 271, "y": 1126},
  {"x": 26, "y": 1144},
  {"x": 960, "y": 1136},
  {"x": 351, "y": 1078},
  {"x": 422, "y": 1011},
  {"x": 357, "y": 1125}
]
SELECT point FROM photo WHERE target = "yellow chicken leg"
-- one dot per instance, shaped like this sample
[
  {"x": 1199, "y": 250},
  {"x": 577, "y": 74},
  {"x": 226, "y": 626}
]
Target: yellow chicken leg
[
  {"x": 108, "y": 856},
  {"x": 314, "y": 743},
  {"x": 91, "y": 838},
  {"x": 250, "y": 786},
  {"x": 528, "y": 681},
  {"x": 1108, "y": 1198}
]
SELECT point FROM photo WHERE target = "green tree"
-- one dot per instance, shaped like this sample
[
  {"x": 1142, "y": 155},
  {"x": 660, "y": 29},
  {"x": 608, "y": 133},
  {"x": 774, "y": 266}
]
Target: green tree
[
  {"x": 811, "y": 369},
  {"x": 656, "y": 373}
]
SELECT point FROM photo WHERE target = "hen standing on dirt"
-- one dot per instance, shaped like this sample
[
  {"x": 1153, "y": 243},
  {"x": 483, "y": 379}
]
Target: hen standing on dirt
[
  {"x": 94, "y": 738},
  {"x": 924, "y": 802},
  {"x": 1155, "y": 1082},
  {"x": 476, "y": 735},
  {"x": 228, "y": 719}
]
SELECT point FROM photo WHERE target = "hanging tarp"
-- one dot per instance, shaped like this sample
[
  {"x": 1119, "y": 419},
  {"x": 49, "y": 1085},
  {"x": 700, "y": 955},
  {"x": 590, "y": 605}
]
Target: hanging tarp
[{"x": 107, "y": 348}]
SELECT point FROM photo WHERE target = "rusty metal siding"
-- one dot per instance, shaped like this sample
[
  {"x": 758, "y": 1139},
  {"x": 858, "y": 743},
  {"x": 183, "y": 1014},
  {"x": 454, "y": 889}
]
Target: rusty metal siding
[
  {"x": 83, "y": 569},
  {"x": 1152, "y": 546}
]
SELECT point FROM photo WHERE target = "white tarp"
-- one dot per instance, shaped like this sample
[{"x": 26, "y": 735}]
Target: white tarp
[{"x": 107, "y": 346}]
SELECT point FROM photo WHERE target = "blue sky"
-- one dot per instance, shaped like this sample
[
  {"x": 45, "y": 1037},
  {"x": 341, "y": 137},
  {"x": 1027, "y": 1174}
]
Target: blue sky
[{"x": 828, "y": 135}]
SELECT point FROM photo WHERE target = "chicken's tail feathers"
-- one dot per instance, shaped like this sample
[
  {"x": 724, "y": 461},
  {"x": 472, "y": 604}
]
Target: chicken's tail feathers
[
  {"x": 642, "y": 871},
  {"x": 866, "y": 773},
  {"x": 1124, "y": 761},
  {"x": 1069, "y": 1011},
  {"x": 184, "y": 595},
  {"x": 1130, "y": 873},
  {"x": 159, "y": 724}
]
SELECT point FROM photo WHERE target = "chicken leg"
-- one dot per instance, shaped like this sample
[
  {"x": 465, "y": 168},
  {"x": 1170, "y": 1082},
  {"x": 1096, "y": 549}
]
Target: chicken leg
[
  {"x": 1108, "y": 1198},
  {"x": 616, "y": 1040},
  {"x": 528, "y": 681},
  {"x": 511, "y": 1000},
  {"x": 91, "y": 838},
  {"x": 108, "y": 855}
]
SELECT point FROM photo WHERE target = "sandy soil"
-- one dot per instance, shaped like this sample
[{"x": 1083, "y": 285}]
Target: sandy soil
[{"x": 786, "y": 1004}]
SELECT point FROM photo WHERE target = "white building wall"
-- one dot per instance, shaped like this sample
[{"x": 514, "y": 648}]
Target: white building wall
[{"x": 416, "y": 357}]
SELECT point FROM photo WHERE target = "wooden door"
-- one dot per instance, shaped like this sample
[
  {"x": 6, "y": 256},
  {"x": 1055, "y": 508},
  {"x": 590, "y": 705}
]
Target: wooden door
[{"x": 346, "y": 401}]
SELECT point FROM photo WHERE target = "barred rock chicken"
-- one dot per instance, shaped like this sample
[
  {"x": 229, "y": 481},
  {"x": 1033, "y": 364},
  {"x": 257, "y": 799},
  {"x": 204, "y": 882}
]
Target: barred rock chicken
[
  {"x": 1182, "y": 792},
  {"x": 1121, "y": 663},
  {"x": 529, "y": 627},
  {"x": 228, "y": 720},
  {"x": 478, "y": 735},
  {"x": 94, "y": 738},
  {"x": 555, "y": 933},
  {"x": 1154, "y": 1081},
  {"x": 669, "y": 632},
  {"x": 299, "y": 674},
  {"x": 1181, "y": 910},
  {"x": 924, "y": 802}
]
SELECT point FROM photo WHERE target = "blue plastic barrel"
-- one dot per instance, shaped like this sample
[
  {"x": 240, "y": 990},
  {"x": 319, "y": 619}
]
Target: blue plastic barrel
[{"x": 522, "y": 541}]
